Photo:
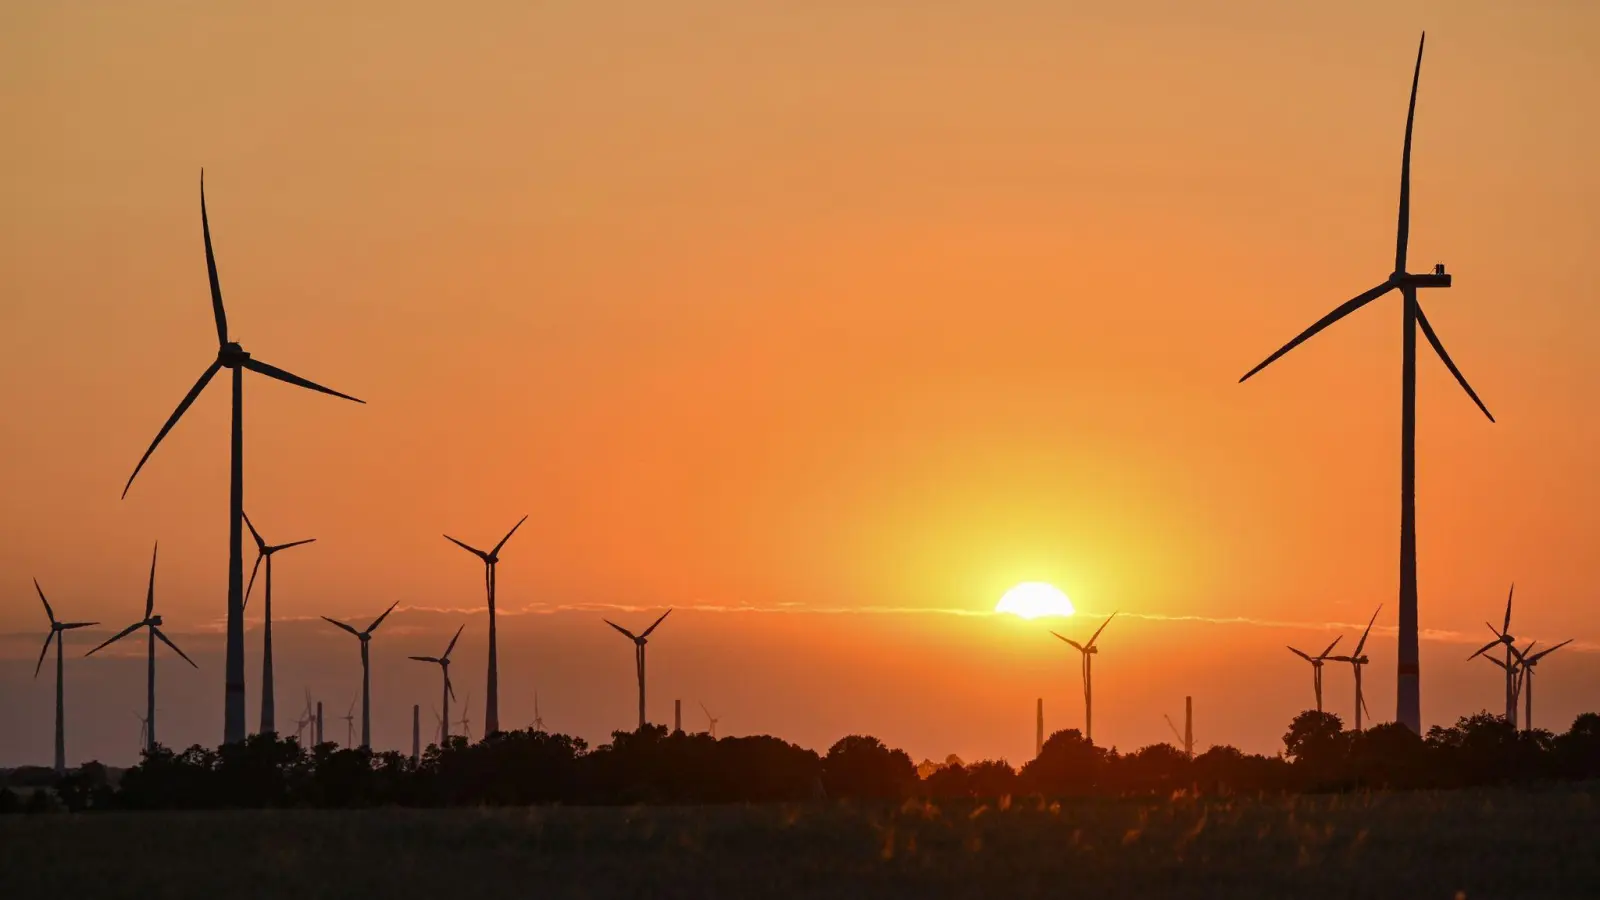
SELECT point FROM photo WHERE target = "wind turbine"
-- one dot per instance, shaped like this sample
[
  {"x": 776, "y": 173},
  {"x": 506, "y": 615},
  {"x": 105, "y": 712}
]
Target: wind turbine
[
  {"x": 639, "y": 642},
  {"x": 307, "y": 722},
  {"x": 438, "y": 727},
  {"x": 1356, "y": 661},
  {"x": 1408, "y": 687},
  {"x": 152, "y": 622},
  {"x": 350, "y": 724},
  {"x": 713, "y": 720},
  {"x": 1088, "y": 652},
  {"x": 443, "y": 662},
  {"x": 265, "y": 551},
  {"x": 1502, "y": 635},
  {"x": 466, "y": 722},
  {"x": 1316, "y": 667},
  {"x": 1526, "y": 664},
  {"x": 230, "y": 356},
  {"x": 366, "y": 671},
  {"x": 144, "y": 732},
  {"x": 491, "y": 562},
  {"x": 56, "y": 629},
  {"x": 538, "y": 720}
]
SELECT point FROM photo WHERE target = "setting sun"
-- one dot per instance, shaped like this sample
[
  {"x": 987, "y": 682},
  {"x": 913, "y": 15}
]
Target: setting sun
[{"x": 1032, "y": 599}]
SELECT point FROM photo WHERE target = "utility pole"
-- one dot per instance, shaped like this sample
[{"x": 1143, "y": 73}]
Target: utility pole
[
  {"x": 1038, "y": 730},
  {"x": 677, "y": 715},
  {"x": 319, "y": 721}
]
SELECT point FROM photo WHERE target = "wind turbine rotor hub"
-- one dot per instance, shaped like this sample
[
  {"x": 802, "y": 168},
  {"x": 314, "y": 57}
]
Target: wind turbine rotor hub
[
  {"x": 231, "y": 355},
  {"x": 153, "y": 620}
]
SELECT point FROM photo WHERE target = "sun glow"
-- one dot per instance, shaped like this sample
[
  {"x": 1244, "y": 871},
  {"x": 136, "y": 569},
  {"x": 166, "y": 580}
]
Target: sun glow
[{"x": 1032, "y": 599}]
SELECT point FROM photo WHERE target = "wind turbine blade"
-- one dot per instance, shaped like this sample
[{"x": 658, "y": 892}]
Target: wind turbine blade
[
  {"x": 46, "y": 649},
  {"x": 704, "y": 710},
  {"x": 260, "y": 544},
  {"x": 453, "y": 641},
  {"x": 150, "y": 593},
  {"x": 449, "y": 688},
  {"x": 47, "y": 610},
  {"x": 1101, "y": 628},
  {"x": 1485, "y": 649},
  {"x": 1324, "y": 654},
  {"x": 174, "y": 647},
  {"x": 1493, "y": 660},
  {"x": 1364, "y": 709},
  {"x": 343, "y": 625},
  {"x": 1509, "y": 595},
  {"x": 496, "y": 550},
  {"x": 292, "y": 544},
  {"x": 427, "y": 659},
  {"x": 1549, "y": 650},
  {"x": 1300, "y": 653},
  {"x": 1363, "y": 641},
  {"x": 469, "y": 548},
  {"x": 188, "y": 399},
  {"x": 1427, "y": 331},
  {"x": 211, "y": 268},
  {"x": 68, "y": 626},
  {"x": 116, "y": 637},
  {"x": 379, "y": 620},
  {"x": 256, "y": 365},
  {"x": 260, "y": 555},
  {"x": 1521, "y": 655},
  {"x": 625, "y": 631},
  {"x": 655, "y": 623},
  {"x": 1344, "y": 309},
  {"x": 1403, "y": 229}
]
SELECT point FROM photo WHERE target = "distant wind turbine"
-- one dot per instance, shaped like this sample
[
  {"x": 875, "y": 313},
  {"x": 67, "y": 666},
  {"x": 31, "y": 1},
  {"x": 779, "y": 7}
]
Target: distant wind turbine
[
  {"x": 1408, "y": 687},
  {"x": 538, "y": 720},
  {"x": 443, "y": 662},
  {"x": 1356, "y": 661},
  {"x": 466, "y": 721},
  {"x": 639, "y": 642},
  {"x": 152, "y": 622},
  {"x": 230, "y": 356},
  {"x": 1527, "y": 664},
  {"x": 56, "y": 630},
  {"x": 491, "y": 562},
  {"x": 144, "y": 732},
  {"x": 1502, "y": 635},
  {"x": 1088, "y": 652},
  {"x": 265, "y": 551},
  {"x": 350, "y": 725},
  {"x": 1316, "y": 667},
  {"x": 366, "y": 671},
  {"x": 711, "y": 721}
]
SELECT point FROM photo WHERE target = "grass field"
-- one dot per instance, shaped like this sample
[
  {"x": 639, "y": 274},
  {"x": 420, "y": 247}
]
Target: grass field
[{"x": 1486, "y": 844}]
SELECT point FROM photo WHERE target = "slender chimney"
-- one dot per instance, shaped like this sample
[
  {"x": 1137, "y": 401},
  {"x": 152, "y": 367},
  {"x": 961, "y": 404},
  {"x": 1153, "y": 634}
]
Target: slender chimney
[
  {"x": 677, "y": 715},
  {"x": 1188, "y": 726},
  {"x": 319, "y": 721},
  {"x": 1038, "y": 730},
  {"x": 416, "y": 733}
]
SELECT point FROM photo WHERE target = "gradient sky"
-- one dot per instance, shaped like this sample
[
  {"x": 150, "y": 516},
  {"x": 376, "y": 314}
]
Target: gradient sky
[{"x": 823, "y": 322}]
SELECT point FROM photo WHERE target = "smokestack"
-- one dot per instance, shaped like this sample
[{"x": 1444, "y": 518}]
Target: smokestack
[
  {"x": 319, "y": 721},
  {"x": 1038, "y": 730},
  {"x": 416, "y": 733},
  {"x": 1188, "y": 726},
  {"x": 677, "y": 715}
]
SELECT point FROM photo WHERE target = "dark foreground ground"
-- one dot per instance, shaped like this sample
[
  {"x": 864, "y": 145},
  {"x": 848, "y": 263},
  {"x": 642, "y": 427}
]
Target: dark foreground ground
[{"x": 1483, "y": 844}]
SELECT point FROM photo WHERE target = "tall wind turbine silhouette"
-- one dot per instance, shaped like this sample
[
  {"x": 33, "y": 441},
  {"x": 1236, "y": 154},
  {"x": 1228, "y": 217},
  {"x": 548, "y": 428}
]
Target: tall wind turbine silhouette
[
  {"x": 230, "y": 356},
  {"x": 265, "y": 551},
  {"x": 443, "y": 662},
  {"x": 1408, "y": 688},
  {"x": 491, "y": 562},
  {"x": 1356, "y": 660},
  {"x": 711, "y": 722},
  {"x": 1088, "y": 652},
  {"x": 1526, "y": 664},
  {"x": 153, "y": 623},
  {"x": 366, "y": 671},
  {"x": 56, "y": 629},
  {"x": 1316, "y": 666},
  {"x": 1502, "y": 635},
  {"x": 639, "y": 641}
]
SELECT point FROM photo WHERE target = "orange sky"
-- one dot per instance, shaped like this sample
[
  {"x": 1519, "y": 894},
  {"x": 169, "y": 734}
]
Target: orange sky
[{"x": 826, "y": 307}]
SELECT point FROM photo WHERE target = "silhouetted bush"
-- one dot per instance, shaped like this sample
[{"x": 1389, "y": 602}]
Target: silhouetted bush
[{"x": 860, "y": 767}]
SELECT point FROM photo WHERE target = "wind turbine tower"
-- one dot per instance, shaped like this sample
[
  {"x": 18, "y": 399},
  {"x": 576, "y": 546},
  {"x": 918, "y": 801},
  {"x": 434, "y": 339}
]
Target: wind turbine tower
[
  {"x": 639, "y": 642},
  {"x": 229, "y": 356},
  {"x": 1408, "y": 694},
  {"x": 319, "y": 721},
  {"x": 1088, "y": 652},
  {"x": 677, "y": 715},
  {"x": 366, "y": 670},
  {"x": 265, "y": 551},
  {"x": 491, "y": 563},
  {"x": 1316, "y": 667}
]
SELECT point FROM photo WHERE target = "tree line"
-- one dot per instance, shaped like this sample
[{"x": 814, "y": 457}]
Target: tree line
[{"x": 655, "y": 766}]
